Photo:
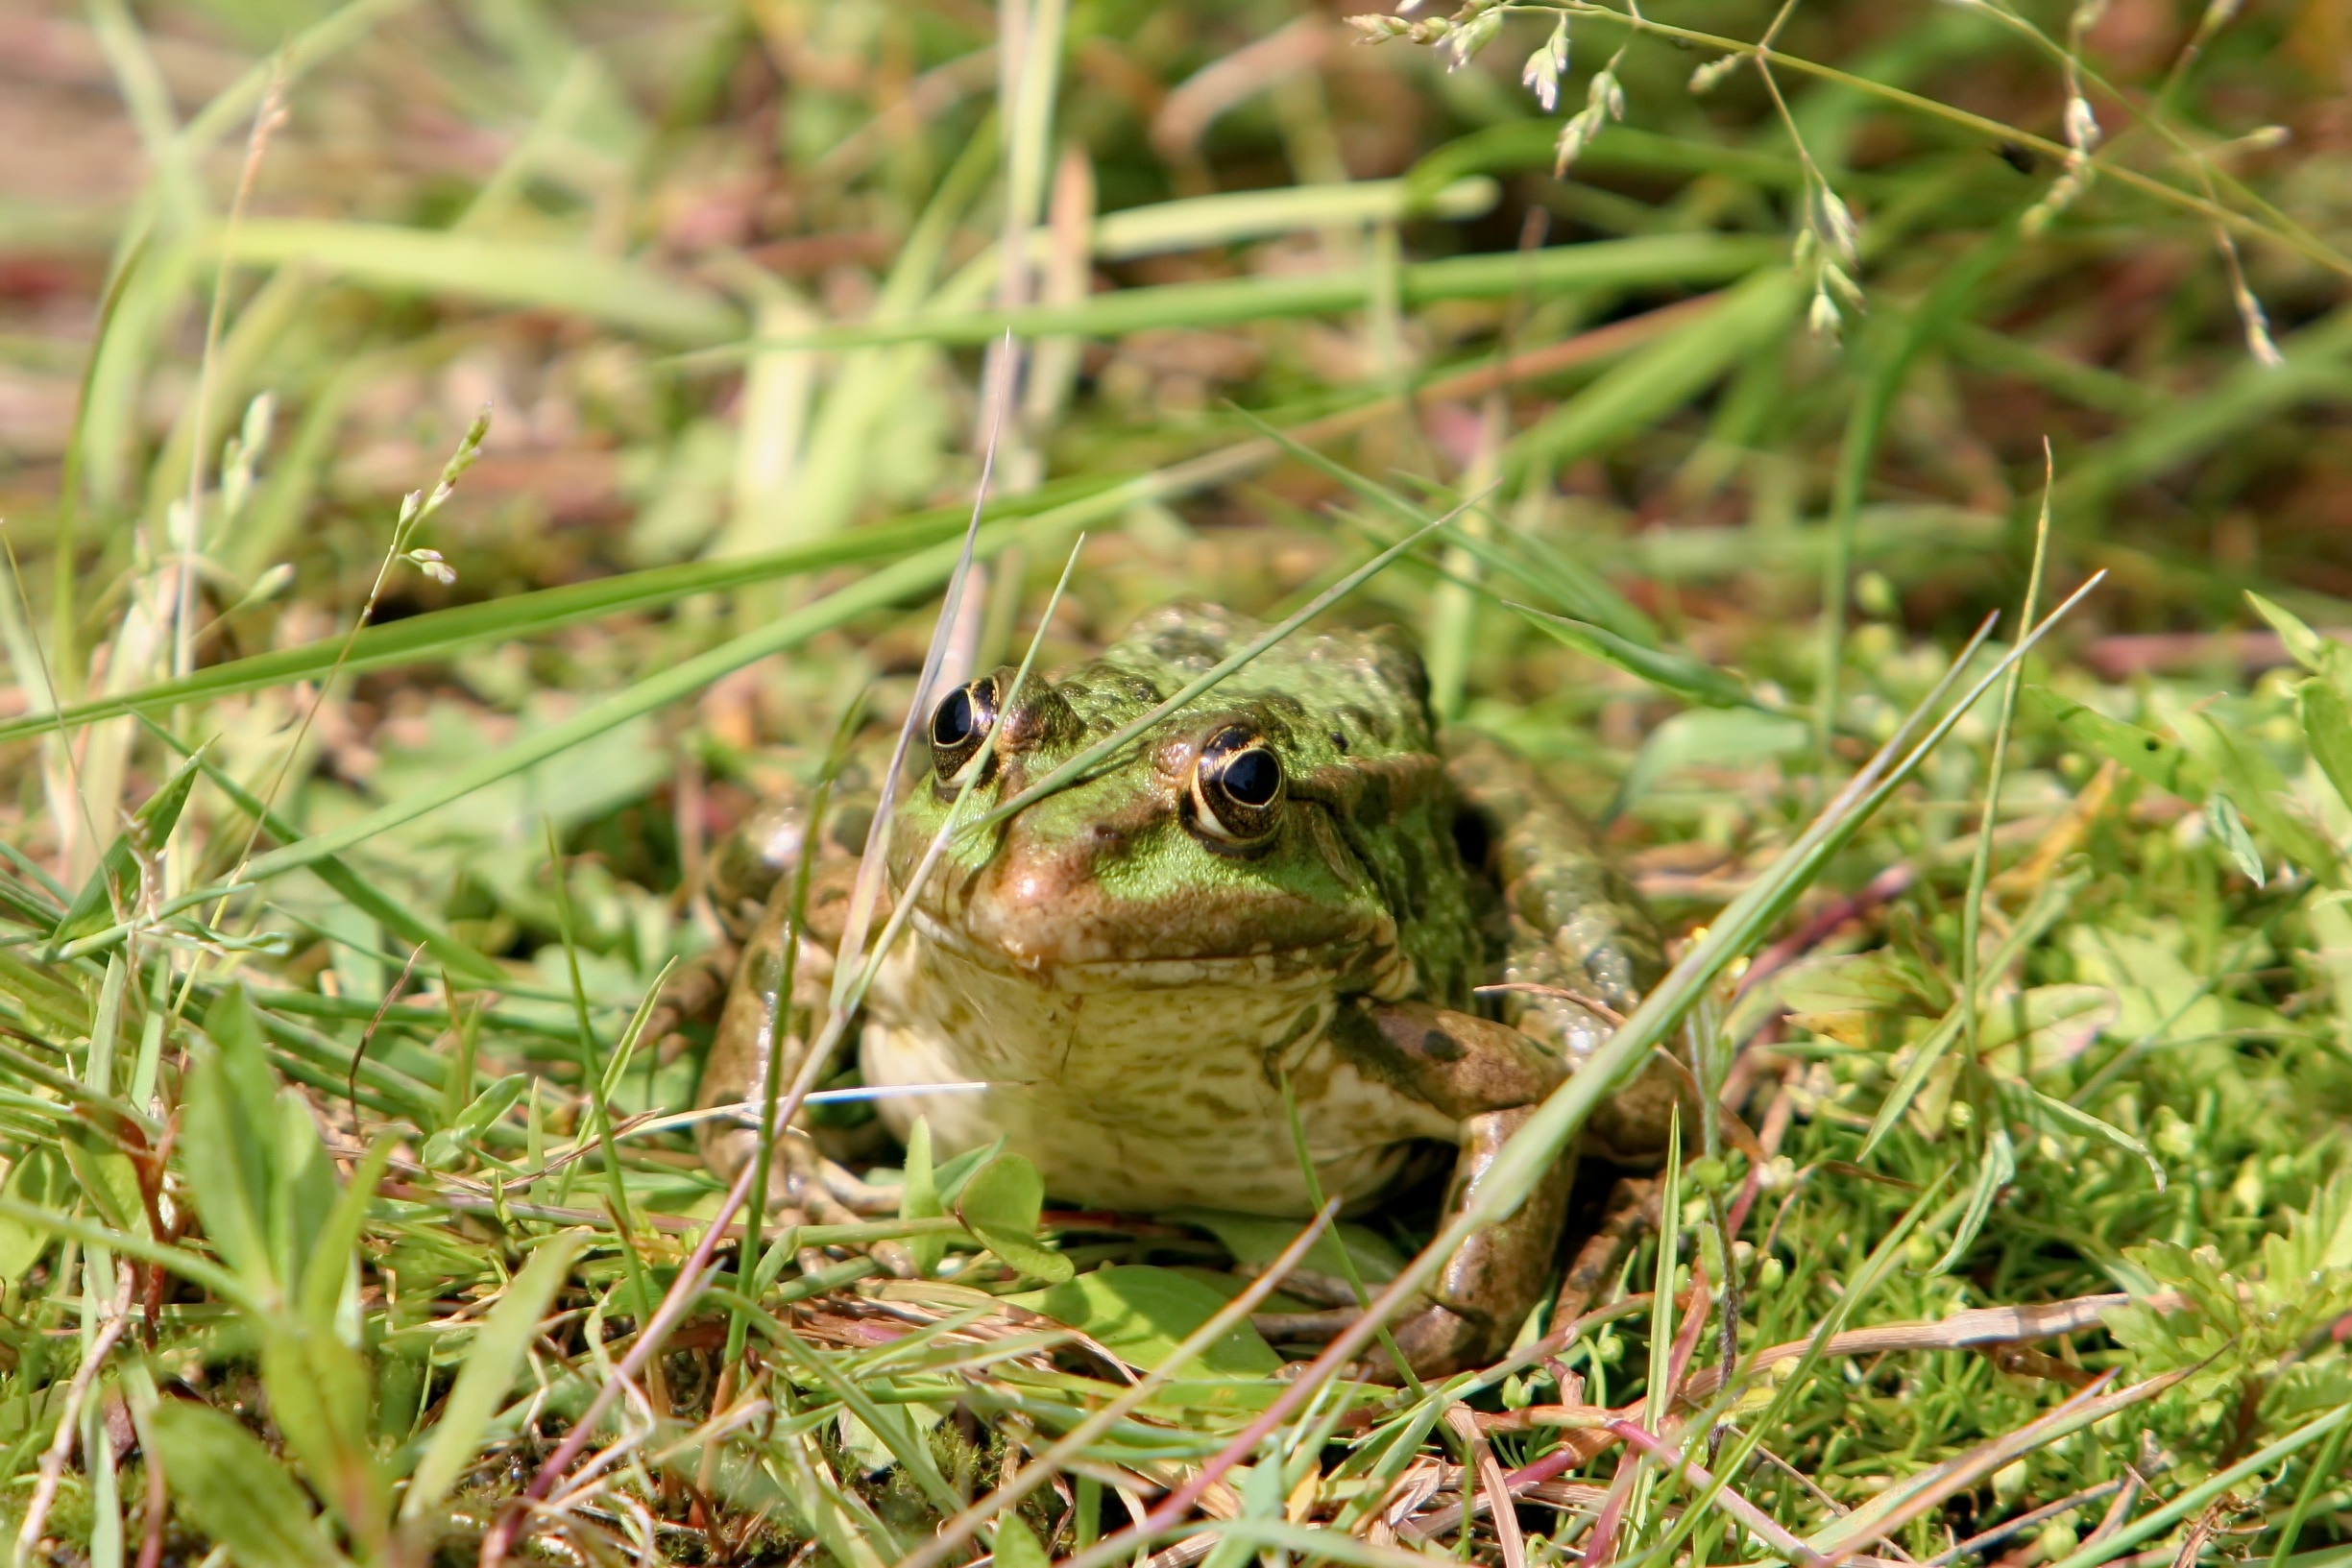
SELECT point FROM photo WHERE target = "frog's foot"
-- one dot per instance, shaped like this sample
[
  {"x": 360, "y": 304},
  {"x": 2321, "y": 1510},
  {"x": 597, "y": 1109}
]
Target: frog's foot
[
  {"x": 1631, "y": 1211},
  {"x": 1439, "y": 1342},
  {"x": 1490, "y": 1078}
]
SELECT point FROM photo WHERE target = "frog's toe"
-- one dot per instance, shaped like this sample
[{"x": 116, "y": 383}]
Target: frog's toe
[{"x": 1439, "y": 1342}]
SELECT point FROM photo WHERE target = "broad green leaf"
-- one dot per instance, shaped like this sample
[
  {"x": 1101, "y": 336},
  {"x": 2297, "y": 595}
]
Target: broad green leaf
[
  {"x": 2256, "y": 788},
  {"x": 918, "y": 1196},
  {"x": 870, "y": 1449},
  {"x": 2044, "y": 1028},
  {"x": 317, "y": 1390},
  {"x": 1141, "y": 1315},
  {"x": 448, "y": 1145},
  {"x": 110, "y": 1181},
  {"x": 1856, "y": 983},
  {"x": 1670, "y": 672},
  {"x": 2331, "y": 930},
  {"x": 2327, "y": 731},
  {"x": 950, "y": 1175},
  {"x": 39, "y": 1180},
  {"x": 2156, "y": 989},
  {"x": 488, "y": 1372},
  {"x": 234, "y": 1024},
  {"x": 2321, "y": 655},
  {"x": 234, "y": 1490},
  {"x": 1000, "y": 1205},
  {"x": 222, "y": 1162},
  {"x": 1724, "y": 738},
  {"x": 1017, "y": 1545},
  {"x": 329, "y": 1255},
  {"x": 2152, "y": 757},
  {"x": 302, "y": 1188},
  {"x": 1255, "y": 1240}
]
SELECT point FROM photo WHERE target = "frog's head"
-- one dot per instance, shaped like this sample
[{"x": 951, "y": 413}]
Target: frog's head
[{"x": 1282, "y": 822}]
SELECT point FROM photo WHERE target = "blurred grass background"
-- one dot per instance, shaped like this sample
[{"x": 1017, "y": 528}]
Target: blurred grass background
[{"x": 1763, "y": 382}]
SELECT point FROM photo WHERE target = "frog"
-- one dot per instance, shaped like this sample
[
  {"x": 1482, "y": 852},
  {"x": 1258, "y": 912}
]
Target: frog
[{"x": 1291, "y": 917}]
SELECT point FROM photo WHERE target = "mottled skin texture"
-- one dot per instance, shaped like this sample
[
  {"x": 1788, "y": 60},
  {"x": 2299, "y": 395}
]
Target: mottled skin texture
[{"x": 1137, "y": 976}]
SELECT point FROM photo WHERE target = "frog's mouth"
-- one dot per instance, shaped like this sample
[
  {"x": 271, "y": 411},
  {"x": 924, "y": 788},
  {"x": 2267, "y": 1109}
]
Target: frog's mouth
[{"x": 1078, "y": 960}]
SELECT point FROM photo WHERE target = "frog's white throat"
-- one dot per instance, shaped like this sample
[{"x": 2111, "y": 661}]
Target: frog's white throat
[{"x": 1143, "y": 1085}]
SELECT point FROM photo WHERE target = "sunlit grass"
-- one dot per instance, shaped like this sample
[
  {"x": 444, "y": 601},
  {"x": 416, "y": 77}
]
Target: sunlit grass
[{"x": 346, "y": 1216}]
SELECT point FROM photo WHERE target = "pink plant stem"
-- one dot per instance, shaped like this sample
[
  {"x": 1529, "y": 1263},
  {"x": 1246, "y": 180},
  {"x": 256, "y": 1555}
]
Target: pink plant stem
[
  {"x": 1603, "y": 1544},
  {"x": 1687, "y": 1340},
  {"x": 1620, "y": 1489}
]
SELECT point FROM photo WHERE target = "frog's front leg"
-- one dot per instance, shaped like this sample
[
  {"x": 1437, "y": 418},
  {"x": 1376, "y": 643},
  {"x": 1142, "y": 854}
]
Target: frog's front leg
[
  {"x": 1490, "y": 1079},
  {"x": 800, "y": 1175}
]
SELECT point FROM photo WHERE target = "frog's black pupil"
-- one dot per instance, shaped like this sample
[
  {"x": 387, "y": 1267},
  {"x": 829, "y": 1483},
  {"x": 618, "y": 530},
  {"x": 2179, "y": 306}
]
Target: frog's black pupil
[
  {"x": 952, "y": 724},
  {"x": 1252, "y": 778}
]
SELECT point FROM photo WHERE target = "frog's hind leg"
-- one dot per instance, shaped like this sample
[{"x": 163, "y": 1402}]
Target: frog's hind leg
[
  {"x": 1490, "y": 1079},
  {"x": 1575, "y": 947},
  {"x": 1492, "y": 1282}
]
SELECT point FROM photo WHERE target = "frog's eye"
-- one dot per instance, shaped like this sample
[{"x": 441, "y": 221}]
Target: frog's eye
[
  {"x": 1237, "y": 785},
  {"x": 959, "y": 727}
]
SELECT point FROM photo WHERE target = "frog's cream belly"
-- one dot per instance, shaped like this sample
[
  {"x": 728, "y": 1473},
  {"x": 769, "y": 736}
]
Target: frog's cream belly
[{"x": 1140, "y": 1093}]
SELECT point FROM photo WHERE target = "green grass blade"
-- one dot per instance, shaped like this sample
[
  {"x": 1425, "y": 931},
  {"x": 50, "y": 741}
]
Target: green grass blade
[
  {"x": 1645, "y": 263},
  {"x": 393, "y": 915},
  {"x": 623, "y": 295},
  {"x": 1661, "y": 378}
]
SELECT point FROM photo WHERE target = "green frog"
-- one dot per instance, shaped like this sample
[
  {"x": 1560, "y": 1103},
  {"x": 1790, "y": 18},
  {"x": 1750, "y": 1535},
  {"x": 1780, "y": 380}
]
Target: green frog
[{"x": 1290, "y": 892}]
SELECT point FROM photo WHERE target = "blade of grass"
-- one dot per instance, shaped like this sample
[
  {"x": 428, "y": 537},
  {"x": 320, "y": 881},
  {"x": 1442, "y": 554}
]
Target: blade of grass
[
  {"x": 1661, "y": 378},
  {"x": 623, "y": 295},
  {"x": 592, "y": 1085},
  {"x": 1645, "y": 263},
  {"x": 1043, "y": 1468},
  {"x": 2191, "y": 1501},
  {"x": 394, "y": 916},
  {"x": 441, "y": 634}
]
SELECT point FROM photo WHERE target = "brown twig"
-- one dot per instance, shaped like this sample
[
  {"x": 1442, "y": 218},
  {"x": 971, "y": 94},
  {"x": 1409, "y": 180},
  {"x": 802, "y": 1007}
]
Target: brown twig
[
  {"x": 359, "y": 1052},
  {"x": 1492, "y": 1483},
  {"x": 69, "y": 1421}
]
